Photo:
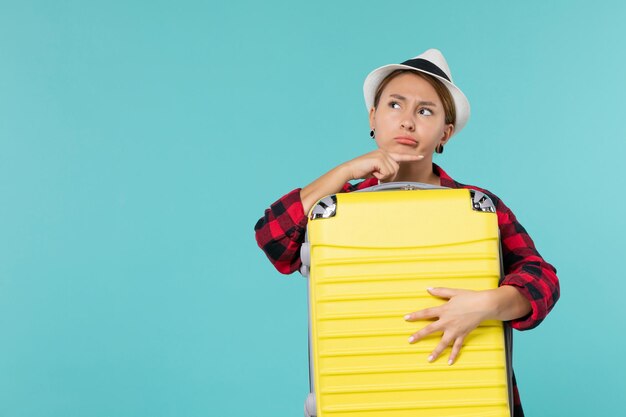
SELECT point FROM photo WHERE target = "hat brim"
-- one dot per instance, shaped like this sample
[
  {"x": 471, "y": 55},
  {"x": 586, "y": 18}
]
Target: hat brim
[{"x": 374, "y": 78}]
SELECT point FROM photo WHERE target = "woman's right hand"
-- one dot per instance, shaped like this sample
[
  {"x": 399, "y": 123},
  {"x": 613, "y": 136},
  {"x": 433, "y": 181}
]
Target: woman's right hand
[{"x": 379, "y": 163}]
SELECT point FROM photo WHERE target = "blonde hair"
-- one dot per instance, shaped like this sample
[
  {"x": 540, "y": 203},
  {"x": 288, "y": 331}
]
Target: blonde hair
[{"x": 442, "y": 91}]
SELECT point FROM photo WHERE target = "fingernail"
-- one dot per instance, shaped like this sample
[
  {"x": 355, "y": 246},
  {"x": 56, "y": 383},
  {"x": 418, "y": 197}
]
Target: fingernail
[
  {"x": 407, "y": 317},
  {"x": 431, "y": 358},
  {"x": 411, "y": 339},
  {"x": 429, "y": 289},
  {"x": 450, "y": 362}
]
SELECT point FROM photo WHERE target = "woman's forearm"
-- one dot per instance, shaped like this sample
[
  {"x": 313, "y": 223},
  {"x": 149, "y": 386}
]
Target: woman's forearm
[
  {"x": 329, "y": 183},
  {"x": 508, "y": 303}
]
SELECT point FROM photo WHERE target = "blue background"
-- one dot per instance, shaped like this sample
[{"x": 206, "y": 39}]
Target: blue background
[{"x": 140, "y": 141}]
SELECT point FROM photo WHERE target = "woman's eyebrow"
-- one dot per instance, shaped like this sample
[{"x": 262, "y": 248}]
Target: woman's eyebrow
[
  {"x": 398, "y": 96},
  {"x": 421, "y": 103}
]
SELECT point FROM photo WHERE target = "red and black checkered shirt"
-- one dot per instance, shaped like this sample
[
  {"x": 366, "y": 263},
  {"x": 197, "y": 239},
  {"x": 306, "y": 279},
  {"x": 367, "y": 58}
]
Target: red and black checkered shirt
[{"x": 280, "y": 233}]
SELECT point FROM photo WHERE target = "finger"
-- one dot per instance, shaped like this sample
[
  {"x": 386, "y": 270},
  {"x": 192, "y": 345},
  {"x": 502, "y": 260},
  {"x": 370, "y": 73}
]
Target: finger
[
  {"x": 395, "y": 169},
  {"x": 445, "y": 342},
  {"x": 380, "y": 171},
  {"x": 393, "y": 164},
  {"x": 431, "y": 328},
  {"x": 444, "y": 292},
  {"x": 427, "y": 313},
  {"x": 456, "y": 348},
  {"x": 382, "y": 175},
  {"x": 402, "y": 157},
  {"x": 389, "y": 171}
]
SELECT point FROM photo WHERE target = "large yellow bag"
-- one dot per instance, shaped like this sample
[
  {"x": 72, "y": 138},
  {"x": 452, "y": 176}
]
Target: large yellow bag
[{"x": 371, "y": 256}]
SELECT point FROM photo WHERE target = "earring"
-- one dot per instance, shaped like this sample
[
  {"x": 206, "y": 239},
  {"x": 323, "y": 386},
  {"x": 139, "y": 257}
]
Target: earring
[
  {"x": 372, "y": 134},
  {"x": 439, "y": 148}
]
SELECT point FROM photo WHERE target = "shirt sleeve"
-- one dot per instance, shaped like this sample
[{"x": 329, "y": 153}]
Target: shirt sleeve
[
  {"x": 525, "y": 269},
  {"x": 280, "y": 232}
]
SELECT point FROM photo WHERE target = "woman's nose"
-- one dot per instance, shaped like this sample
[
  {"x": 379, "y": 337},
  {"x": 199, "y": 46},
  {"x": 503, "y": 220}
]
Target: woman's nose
[{"x": 408, "y": 123}]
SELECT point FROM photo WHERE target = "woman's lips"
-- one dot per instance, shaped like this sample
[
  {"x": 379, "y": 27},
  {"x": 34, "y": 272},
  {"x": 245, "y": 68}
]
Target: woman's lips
[{"x": 406, "y": 141}]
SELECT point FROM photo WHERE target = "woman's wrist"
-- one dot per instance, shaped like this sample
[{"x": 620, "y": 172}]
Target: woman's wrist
[
  {"x": 507, "y": 303},
  {"x": 341, "y": 173},
  {"x": 329, "y": 183}
]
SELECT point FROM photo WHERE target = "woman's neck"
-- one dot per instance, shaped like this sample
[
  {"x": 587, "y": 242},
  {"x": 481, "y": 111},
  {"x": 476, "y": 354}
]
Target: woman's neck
[{"x": 421, "y": 171}]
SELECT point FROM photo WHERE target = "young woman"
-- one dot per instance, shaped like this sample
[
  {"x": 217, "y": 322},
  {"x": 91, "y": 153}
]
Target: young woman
[{"x": 414, "y": 110}]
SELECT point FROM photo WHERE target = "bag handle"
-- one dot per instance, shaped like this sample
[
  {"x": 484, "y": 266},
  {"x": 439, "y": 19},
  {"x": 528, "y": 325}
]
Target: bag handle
[{"x": 403, "y": 185}]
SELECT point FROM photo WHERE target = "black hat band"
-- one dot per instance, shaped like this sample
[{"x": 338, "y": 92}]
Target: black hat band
[{"x": 424, "y": 65}]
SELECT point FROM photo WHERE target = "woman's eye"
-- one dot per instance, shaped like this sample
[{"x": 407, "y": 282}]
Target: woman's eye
[
  {"x": 394, "y": 105},
  {"x": 425, "y": 112}
]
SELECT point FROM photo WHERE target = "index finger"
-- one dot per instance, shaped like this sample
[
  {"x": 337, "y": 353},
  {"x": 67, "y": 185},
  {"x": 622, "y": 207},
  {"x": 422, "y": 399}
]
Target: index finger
[
  {"x": 402, "y": 157},
  {"x": 427, "y": 313}
]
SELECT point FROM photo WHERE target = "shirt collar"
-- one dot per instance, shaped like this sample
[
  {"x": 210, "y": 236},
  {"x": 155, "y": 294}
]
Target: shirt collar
[{"x": 444, "y": 179}]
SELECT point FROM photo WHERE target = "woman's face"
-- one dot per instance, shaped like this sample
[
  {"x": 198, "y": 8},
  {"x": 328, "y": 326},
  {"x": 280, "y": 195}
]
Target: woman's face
[{"x": 410, "y": 117}]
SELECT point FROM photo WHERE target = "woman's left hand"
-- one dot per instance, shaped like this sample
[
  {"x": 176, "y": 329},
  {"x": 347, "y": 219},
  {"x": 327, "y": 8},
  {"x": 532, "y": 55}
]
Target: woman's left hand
[{"x": 463, "y": 312}]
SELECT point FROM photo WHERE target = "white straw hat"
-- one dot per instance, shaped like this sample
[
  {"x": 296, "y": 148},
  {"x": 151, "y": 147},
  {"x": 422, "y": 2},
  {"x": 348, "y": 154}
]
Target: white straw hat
[{"x": 432, "y": 63}]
